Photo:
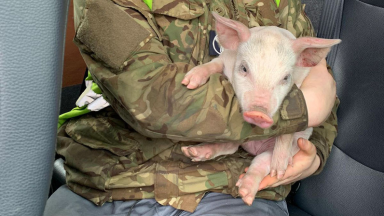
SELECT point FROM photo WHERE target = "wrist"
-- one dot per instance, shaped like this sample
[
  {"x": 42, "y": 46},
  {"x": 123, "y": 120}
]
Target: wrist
[
  {"x": 312, "y": 169},
  {"x": 315, "y": 165}
]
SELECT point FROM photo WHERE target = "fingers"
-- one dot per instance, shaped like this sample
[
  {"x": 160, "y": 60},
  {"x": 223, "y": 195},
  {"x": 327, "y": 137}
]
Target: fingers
[
  {"x": 288, "y": 176},
  {"x": 287, "y": 181},
  {"x": 306, "y": 146},
  {"x": 268, "y": 181},
  {"x": 301, "y": 162}
]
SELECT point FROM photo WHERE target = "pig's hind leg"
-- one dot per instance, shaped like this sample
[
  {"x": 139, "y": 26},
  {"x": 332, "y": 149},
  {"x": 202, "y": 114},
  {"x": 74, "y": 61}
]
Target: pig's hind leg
[
  {"x": 208, "y": 151},
  {"x": 249, "y": 183},
  {"x": 199, "y": 75}
]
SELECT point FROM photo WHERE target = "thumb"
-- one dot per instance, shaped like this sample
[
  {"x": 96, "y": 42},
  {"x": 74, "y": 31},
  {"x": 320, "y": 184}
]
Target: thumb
[{"x": 306, "y": 146}]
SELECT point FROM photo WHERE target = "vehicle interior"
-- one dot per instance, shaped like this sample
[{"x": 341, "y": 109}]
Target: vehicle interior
[{"x": 36, "y": 47}]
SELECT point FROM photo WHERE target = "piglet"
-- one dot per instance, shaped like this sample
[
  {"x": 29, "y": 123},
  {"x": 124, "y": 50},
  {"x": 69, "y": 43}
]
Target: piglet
[{"x": 262, "y": 64}]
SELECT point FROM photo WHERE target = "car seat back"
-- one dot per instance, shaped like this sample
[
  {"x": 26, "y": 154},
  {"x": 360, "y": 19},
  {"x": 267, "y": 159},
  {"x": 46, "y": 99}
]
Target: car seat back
[
  {"x": 31, "y": 61},
  {"x": 352, "y": 182}
]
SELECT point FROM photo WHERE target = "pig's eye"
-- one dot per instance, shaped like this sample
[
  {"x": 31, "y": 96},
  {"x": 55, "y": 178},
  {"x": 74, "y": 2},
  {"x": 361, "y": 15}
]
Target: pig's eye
[
  {"x": 243, "y": 68},
  {"x": 286, "y": 77}
]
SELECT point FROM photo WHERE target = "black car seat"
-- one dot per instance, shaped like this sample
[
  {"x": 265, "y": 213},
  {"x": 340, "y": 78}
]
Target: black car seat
[
  {"x": 352, "y": 182},
  {"x": 31, "y": 60}
]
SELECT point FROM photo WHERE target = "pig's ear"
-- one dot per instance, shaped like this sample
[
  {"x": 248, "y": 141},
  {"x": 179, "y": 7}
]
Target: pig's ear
[
  {"x": 311, "y": 51},
  {"x": 230, "y": 32}
]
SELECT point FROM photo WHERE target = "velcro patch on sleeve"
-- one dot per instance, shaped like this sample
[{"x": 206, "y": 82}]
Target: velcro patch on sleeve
[
  {"x": 293, "y": 105},
  {"x": 111, "y": 33}
]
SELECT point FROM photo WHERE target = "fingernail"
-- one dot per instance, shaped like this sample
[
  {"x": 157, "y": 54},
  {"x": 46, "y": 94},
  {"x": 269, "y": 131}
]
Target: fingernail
[{"x": 301, "y": 141}]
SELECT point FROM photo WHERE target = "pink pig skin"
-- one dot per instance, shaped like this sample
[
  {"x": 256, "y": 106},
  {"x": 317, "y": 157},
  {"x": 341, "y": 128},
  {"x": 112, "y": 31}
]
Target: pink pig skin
[{"x": 262, "y": 63}]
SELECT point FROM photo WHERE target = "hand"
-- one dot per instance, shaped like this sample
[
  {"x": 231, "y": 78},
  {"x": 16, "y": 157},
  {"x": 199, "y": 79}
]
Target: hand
[{"x": 305, "y": 163}]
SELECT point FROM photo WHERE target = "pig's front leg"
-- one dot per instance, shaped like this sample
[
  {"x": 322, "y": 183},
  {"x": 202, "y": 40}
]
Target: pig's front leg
[
  {"x": 282, "y": 155},
  {"x": 199, "y": 75},
  {"x": 249, "y": 183},
  {"x": 208, "y": 151}
]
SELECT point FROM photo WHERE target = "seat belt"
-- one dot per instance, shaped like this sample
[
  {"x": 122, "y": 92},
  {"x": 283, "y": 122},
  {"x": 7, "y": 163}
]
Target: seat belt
[{"x": 330, "y": 24}]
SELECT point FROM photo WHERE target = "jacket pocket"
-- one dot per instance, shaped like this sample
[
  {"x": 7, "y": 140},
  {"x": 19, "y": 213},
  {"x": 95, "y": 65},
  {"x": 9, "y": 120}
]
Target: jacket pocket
[
  {"x": 104, "y": 131},
  {"x": 110, "y": 34}
]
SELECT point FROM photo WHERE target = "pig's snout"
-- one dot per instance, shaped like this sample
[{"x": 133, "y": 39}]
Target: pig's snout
[{"x": 258, "y": 117}]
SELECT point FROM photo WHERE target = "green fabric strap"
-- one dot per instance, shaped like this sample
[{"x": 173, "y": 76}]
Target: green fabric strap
[
  {"x": 277, "y": 2},
  {"x": 149, "y": 3},
  {"x": 95, "y": 88},
  {"x": 78, "y": 111}
]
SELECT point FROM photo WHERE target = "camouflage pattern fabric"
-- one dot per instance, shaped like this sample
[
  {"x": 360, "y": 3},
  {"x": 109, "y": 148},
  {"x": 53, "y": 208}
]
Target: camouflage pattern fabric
[{"x": 131, "y": 150}]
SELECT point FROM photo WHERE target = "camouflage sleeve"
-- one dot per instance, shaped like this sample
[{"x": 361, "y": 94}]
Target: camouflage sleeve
[{"x": 143, "y": 85}]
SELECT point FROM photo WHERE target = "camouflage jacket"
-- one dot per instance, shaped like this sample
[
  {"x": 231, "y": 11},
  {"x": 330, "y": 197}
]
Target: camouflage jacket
[{"x": 138, "y": 58}]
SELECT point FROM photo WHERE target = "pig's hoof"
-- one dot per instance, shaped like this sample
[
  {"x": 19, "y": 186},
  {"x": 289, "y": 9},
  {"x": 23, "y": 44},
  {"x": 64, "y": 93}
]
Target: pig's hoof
[
  {"x": 248, "y": 186},
  {"x": 196, "y": 77},
  {"x": 279, "y": 164},
  {"x": 198, "y": 152}
]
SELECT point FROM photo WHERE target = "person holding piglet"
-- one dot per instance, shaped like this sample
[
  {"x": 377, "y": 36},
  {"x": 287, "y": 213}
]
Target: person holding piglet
[{"x": 133, "y": 148}]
